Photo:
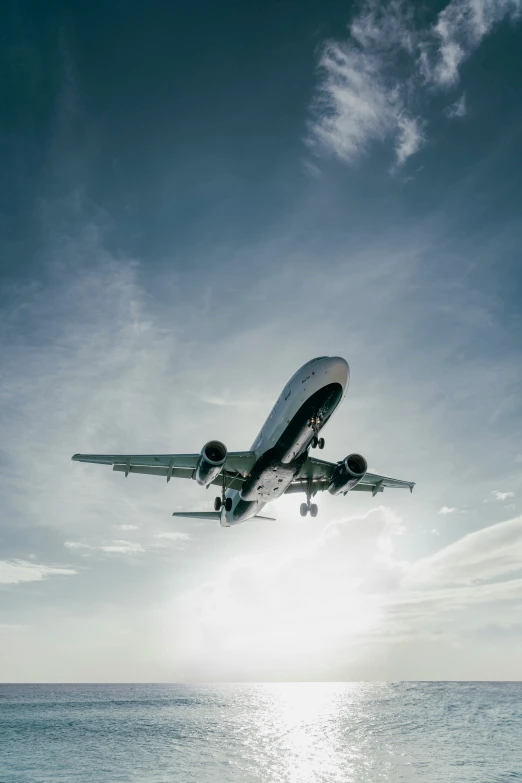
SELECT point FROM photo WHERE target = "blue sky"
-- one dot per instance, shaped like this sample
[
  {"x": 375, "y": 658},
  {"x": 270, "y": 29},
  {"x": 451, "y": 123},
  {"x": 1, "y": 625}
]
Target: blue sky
[{"x": 194, "y": 202}]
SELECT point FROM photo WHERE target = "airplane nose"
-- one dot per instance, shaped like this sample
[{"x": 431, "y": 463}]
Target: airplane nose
[{"x": 339, "y": 370}]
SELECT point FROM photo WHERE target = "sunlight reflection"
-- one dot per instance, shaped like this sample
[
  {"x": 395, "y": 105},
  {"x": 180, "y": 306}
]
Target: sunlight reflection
[{"x": 304, "y": 724}]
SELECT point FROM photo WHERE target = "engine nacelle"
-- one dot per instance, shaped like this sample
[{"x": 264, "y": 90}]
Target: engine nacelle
[
  {"x": 210, "y": 463},
  {"x": 347, "y": 474}
]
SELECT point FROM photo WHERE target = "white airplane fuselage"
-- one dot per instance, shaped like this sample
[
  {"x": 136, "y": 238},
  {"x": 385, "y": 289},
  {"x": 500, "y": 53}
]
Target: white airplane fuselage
[{"x": 281, "y": 448}]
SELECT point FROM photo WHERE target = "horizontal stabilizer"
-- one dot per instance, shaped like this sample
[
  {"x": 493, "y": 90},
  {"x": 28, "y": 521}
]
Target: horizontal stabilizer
[{"x": 210, "y": 515}]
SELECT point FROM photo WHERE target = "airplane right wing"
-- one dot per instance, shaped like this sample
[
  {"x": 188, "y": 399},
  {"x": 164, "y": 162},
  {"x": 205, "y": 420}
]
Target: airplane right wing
[{"x": 316, "y": 474}]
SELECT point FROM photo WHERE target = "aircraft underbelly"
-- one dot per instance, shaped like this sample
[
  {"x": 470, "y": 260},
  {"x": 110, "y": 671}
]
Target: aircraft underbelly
[
  {"x": 268, "y": 483},
  {"x": 281, "y": 448},
  {"x": 282, "y": 462}
]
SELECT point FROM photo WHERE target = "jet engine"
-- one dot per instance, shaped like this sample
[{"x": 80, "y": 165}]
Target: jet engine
[
  {"x": 210, "y": 463},
  {"x": 347, "y": 474}
]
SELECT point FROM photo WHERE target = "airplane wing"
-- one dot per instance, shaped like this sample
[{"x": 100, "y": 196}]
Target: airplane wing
[
  {"x": 316, "y": 474},
  {"x": 238, "y": 464}
]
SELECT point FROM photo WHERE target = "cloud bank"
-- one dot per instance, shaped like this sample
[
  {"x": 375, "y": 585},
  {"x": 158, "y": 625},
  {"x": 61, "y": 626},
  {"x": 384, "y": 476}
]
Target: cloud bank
[{"x": 343, "y": 597}]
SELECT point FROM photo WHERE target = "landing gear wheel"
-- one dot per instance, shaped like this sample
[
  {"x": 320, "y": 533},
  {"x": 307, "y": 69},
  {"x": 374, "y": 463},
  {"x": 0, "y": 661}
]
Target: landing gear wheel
[
  {"x": 314, "y": 442},
  {"x": 303, "y": 509},
  {"x": 228, "y": 504},
  {"x": 217, "y": 504},
  {"x": 313, "y": 510},
  {"x": 320, "y": 443}
]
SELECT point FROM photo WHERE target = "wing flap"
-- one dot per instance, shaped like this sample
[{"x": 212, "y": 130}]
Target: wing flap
[
  {"x": 374, "y": 480},
  {"x": 150, "y": 470}
]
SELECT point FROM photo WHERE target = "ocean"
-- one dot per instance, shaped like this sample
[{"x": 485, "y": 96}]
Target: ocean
[{"x": 274, "y": 733}]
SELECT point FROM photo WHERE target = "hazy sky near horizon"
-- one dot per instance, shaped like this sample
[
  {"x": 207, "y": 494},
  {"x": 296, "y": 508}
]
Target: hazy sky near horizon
[{"x": 195, "y": 200}]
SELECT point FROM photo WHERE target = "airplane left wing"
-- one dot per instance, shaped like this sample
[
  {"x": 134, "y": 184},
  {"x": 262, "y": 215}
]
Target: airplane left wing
[
  {"x": 316, "y": 474},
  {"x": 237, "y": 465}
]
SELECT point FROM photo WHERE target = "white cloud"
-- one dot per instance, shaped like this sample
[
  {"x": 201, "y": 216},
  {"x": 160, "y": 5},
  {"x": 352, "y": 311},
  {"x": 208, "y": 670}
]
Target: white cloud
[
  {"x": 447, "y": 510},
  {"x": 410, "y": 138},
  {"x": 460, "y": 28},
  {"x": 363, "y": 95},
  {"x": 172, "y": 540},
  {"x": 127, "y": 527},
  {"x": 76, "y": 545},
  {"x": 502, "y": 495},
  {"x": 123, "y": 547},
  {"x": 264, "y": 616},
  {"x": 435, "y": 531},
  {"x": 116, "y": 547},
  {"x": 17, "y": 571},
  {"x": 354, "y": 105},
  {"x": 385, "y": 26},
  {"x": 277, "y": 616},
  {"x": 491, "y": 553},
  {"x": 457, "y": 109}
]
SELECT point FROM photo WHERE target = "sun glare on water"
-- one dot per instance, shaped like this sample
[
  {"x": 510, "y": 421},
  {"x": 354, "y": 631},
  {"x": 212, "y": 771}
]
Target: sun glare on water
[{"x": 302, "y": 722}]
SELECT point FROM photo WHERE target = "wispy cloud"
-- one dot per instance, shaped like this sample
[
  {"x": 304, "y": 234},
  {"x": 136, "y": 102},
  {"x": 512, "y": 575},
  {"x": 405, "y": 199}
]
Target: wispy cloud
[
  {"x": 460, "y": 28},
  {"x": 174, "y": 539},
  {"x": 502, "y": 495},
  {"x": 114, "y": 547},
  {"x": 173, "y": 536},
  {"x": 457, "y": 109},
  {"x": 354, "y": 105},
  {"x": 127, "y": 527},
  {"x": 494, "y": 552},
  {"x": 447, "y": 510},
  {"x": 363, "y": 94},
  {"x": 410, "y": 138},
  {"x": 17, "y": 571}
]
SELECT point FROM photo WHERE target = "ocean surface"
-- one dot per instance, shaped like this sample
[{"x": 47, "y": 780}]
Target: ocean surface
[{"x": 281, "y": 733}]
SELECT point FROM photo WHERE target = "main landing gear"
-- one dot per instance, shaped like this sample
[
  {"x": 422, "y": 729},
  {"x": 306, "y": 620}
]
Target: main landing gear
[
  {"x": 315, "y": 423},
  {"x": 223, "y": 501},
  {"x": 309, "y": 506},
  {"x": 218, "y": 503}
]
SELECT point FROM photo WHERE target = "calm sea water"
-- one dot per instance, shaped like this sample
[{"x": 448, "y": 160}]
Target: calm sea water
[{"x": 299, "y": 733}]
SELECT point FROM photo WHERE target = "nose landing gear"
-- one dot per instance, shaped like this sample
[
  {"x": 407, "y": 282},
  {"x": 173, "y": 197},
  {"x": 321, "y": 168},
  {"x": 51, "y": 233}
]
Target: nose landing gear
[{"x": 315, "y": 423}]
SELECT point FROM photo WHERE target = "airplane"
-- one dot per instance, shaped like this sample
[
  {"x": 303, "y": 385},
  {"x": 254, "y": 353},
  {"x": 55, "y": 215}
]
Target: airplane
[{"x": 278, "y": 462}]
